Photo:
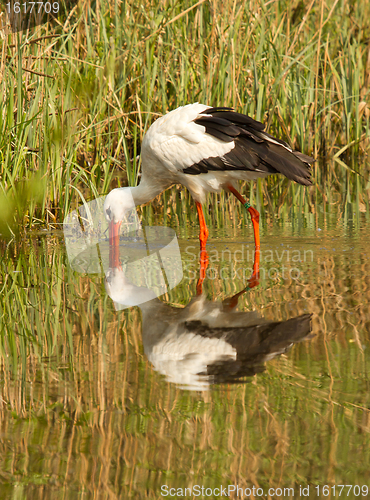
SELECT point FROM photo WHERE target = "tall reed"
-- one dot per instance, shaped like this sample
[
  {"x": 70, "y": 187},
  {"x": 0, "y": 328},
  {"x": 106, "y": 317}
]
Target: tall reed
[{"x": 77, "y": 98}]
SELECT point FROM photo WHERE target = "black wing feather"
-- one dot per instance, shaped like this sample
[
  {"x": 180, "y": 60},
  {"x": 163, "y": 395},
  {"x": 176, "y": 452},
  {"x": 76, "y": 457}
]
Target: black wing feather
[
  {"x": 234, "y": 117},
  {"x": 255, "y": 150},
  {"x": 254, "y": 345}
]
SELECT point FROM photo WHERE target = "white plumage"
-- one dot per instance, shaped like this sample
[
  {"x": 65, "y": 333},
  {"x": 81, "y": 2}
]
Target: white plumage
[{"x": 207, "y": 149}]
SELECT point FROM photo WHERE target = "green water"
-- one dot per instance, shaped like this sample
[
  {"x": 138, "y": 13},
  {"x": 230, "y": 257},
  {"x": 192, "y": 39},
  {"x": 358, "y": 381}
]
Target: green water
[{"x": 85, "y": 414}]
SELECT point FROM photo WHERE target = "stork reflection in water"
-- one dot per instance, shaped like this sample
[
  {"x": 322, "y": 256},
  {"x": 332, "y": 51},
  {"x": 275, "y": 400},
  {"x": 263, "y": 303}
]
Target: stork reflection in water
[{"x": 205, "y": 342}]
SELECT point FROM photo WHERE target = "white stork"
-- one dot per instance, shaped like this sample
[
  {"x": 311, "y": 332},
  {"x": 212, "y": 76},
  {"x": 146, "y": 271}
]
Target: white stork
[{"x": 206, "y": 150}]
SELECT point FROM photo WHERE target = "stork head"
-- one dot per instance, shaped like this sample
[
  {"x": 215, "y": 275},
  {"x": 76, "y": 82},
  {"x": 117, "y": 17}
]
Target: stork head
[
  {"x": 117, "y": 204},
  {"x": 123, "y": 291}
]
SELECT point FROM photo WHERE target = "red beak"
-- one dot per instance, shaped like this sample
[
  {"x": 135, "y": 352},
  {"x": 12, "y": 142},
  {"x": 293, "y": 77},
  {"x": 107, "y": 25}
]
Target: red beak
[{"x": 114, "y": 228}]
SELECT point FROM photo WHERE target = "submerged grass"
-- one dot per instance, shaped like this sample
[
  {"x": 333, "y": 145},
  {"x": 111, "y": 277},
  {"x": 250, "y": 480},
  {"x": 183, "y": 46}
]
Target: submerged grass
[
  {"x": 82, "y": 408},
  {"x": 77, "y": 98}
]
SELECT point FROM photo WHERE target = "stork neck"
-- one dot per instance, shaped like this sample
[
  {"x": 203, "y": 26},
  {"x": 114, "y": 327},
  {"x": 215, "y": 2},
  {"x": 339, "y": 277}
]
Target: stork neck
[{"x": 147, "y": 190}]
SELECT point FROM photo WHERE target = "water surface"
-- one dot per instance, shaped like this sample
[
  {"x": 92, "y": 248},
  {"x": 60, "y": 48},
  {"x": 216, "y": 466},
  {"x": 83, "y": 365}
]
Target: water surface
[{"x": 93, "y": 405}]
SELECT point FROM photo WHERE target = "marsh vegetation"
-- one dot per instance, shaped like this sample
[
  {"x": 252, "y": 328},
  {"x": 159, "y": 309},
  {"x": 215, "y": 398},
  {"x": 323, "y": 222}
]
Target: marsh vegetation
[{"x": 83, "y": 413}]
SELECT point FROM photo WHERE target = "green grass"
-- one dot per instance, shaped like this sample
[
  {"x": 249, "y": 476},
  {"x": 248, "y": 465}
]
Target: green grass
[
  {"x": 76, "y": 99},
  {"x": 82, "y": 411}
]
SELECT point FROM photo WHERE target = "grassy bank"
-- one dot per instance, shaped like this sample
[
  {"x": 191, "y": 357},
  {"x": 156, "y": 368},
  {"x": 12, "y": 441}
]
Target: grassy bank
[{"x": 77, "y": 98}]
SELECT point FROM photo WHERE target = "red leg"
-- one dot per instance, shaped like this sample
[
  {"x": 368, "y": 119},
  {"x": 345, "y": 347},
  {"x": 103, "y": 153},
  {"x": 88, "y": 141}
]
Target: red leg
[
  {"x": 203, "y": 236},
  {"x": 254, "y": 280},
  {"x": 202, "y": 271},
  {"x": 114, "y": 261},
  {"x": 255, "y": 216},
  {"x": 231, "y": 302}
]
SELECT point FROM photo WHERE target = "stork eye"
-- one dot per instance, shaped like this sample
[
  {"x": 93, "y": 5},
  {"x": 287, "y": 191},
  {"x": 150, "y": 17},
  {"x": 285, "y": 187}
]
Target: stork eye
[{"x": 109, "y": 212}]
